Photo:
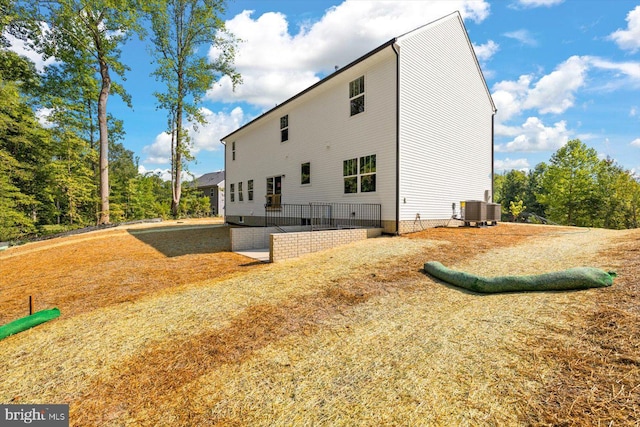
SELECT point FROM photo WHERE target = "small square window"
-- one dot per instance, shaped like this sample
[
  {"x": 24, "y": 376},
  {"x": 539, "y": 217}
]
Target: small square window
[
  {"x": 368, "y": 183},
  {"x": 351, "y": 185},
  {"x": 350, "y": 167}
]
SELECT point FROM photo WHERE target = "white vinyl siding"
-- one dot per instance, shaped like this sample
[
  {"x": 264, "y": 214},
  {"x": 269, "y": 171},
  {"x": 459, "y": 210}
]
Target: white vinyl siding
[
  {"x": 445, "y": 125},
  {"x": 326, "y": 133}
]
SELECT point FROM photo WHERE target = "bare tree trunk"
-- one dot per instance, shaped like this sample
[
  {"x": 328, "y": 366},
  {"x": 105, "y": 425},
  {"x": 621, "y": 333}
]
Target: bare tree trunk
[
  {"x": 177, "y": 164},
  {"x": 103, "y": 217}
]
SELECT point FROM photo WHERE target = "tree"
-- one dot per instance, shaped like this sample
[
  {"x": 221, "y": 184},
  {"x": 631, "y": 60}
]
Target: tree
[
  {"x": 512, "y": 188},
  {"x": 570, "y": 185},
  {"x": 516, "y": 208},
  {"x": 86, "y": 35},
  {"x": 21, "y": 144},
  {"x": 180, "y": 29}
]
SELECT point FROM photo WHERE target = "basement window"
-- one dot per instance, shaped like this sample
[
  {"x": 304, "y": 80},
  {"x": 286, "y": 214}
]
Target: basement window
[{"x": 356, "y": 96}]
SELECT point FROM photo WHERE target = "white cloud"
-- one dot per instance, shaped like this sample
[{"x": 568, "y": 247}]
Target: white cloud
[
  {"x": 635, "y": 142},
  {"x": 633, "y": 112},
  {"x": 537, "y": 3},
  {"x": 219, "y": 125},
  {"x": 554, "y": 93},
  {"x": 159, "y": 152},
  {"x": 164, "y": 174},
  {"x": 535, "y": 136},
  {"x": 629, "y": 39},
  {"x": 484, "y": 52},
  {"x": 523, "y": 36},
  {"x": 509, "y": 164},
  {"x": 628, "y": 69},
  {"x": 276, "y": 64},
  {"x": 203, "y": 138},
  {"x": 509, "y": 97}
]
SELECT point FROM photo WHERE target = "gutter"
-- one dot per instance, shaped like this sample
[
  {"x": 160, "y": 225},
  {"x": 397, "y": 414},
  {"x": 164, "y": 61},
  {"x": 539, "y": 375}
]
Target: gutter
[{"x": 393, "y": 46}]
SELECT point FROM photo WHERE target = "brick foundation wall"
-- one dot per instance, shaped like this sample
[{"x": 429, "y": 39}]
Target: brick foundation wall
[{"x": 291, "y": 245}]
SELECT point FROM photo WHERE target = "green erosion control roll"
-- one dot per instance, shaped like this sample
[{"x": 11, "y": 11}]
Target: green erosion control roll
[
  {"x": 28, "y": 322},
  {"x": 574, "y": 278}
]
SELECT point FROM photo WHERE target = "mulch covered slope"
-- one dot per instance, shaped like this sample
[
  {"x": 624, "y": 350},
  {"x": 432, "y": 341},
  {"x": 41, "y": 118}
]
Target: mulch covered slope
[
  {"x": 82, "y": 273},
  {"x": 338, "y": 337}
]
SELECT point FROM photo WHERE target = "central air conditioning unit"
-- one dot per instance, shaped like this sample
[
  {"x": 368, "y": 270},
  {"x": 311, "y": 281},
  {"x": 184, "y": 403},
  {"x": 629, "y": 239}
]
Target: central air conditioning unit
[
  {"x": 494, "y": 213},
  {"x": 474, "y": 211}
]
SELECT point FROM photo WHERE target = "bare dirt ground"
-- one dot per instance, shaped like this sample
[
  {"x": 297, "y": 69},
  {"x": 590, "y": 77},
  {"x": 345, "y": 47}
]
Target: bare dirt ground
[{"x": 161, "y": 326}]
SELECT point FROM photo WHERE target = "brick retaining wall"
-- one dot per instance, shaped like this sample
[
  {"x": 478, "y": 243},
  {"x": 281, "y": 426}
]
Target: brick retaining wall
[{"x": 291, "y": 245}]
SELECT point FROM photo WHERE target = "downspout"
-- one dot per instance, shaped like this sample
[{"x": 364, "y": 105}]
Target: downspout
[
  {"x": 493, "y": 116},
  {"x": 225, "y": 182},
  {"x": 393, "y": 46}
]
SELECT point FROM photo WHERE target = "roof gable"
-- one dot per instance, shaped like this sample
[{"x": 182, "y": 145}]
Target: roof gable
[{"x": 453, "y": 15}]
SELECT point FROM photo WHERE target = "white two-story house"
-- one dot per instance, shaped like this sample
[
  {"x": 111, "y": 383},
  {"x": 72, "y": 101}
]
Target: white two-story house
[{"x": 408, "y": 127}]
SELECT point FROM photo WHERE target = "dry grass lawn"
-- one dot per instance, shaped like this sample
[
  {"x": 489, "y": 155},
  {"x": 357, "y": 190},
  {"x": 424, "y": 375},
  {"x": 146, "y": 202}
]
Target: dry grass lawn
[{"x": 162, "y": 326}]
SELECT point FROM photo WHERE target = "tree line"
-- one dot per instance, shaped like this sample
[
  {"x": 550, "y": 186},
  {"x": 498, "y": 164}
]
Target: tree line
[
  {"x": 62, "y": 161},
  {"x": 575, "y": 187}
]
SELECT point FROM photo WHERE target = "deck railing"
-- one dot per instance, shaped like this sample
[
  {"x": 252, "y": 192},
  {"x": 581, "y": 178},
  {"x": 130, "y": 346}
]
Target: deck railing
[{"x": 324, "y": 216}]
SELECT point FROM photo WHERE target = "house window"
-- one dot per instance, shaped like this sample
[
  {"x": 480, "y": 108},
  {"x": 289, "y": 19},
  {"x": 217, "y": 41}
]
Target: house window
[
  {"x": 233, "y": 151},
  {"x": 250, "y": 189},
  {"x": 362, "y": 170},
  {"x": 350, "y": 174},
  {"x": 240, "y": 198},
  {"x": 305, "y": 173},
  {"x": 368, "y": 173},
  {"x": 232, "y": 194},
  {"x": 356, "y": 96},
  {"x": 274, "y": 192},
  {"x": 284, "y": 128},
  {"x": 212, "y": 192}
]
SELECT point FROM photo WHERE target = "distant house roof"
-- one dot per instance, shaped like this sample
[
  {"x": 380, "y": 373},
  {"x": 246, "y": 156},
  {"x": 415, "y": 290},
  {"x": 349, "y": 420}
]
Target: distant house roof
[{"x": 209, "y": 179}]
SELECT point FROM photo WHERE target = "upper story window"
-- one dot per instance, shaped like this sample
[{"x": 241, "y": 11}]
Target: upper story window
[
  {"x": 356, "y": 96},
  {"x": 305, "y": 173},
  {"x": 233, "y": 151},
  {"x": 284, "y": 128}
]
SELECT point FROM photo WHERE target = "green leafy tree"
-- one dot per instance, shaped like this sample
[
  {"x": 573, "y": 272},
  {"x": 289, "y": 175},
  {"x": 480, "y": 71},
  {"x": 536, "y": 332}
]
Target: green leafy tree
[
  {"x": 86, "y": 36},
  {"x": 513, "y": 187},
  {"x": 570, "y": 185},
  {"x": 516, "y": 209},
  {"x": 21, "y": 142},
  {"x": 181, "y": 28},
  {"x": 534, "y": 189}
]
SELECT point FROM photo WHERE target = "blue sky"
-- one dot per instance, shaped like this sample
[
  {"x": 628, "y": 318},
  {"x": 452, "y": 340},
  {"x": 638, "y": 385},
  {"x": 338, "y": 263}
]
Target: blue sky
[{"x": 557, "y": 70}]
